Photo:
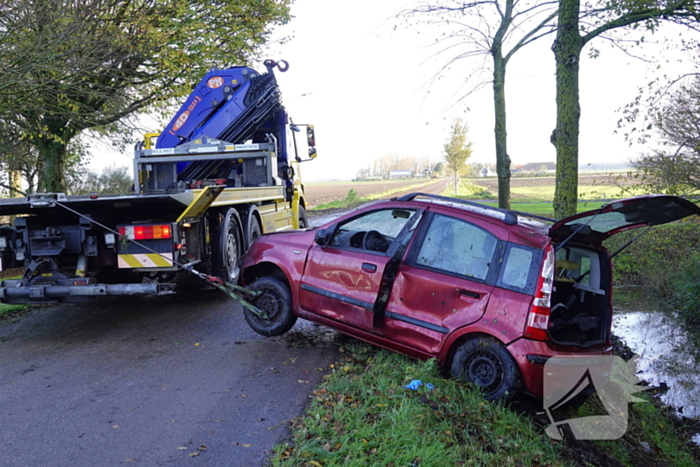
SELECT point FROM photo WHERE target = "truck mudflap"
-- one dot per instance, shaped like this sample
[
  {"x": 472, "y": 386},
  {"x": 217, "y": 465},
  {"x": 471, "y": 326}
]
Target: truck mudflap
[{"x": 67, "y": 291}]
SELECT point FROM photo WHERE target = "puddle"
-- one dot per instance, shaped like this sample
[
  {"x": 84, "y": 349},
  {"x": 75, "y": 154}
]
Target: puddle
[{"x": 668, "y": 355}]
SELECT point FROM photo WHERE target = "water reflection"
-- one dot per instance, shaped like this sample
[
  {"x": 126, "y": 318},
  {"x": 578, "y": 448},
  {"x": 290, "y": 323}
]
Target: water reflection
[{"x": 666, "y": 351}]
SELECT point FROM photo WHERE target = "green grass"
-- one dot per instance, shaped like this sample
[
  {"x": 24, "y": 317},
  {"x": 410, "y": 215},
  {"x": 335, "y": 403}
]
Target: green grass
[
  {"x": 362, "y": 415},
  {"x": 9, "y": 310},
  {"x": 352, "y": 199}
]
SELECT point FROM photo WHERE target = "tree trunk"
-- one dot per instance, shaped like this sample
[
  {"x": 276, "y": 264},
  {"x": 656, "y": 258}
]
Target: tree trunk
[
  {"x": 502, "y": 158},
  {"x": 567, "y": 53},
  {"x": 52, "y": 154}
]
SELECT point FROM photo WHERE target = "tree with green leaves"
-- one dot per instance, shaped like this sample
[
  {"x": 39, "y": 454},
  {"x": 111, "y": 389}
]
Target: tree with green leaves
[
  {"x": 499, "y": 29},
  {"x": 457, "y": 150},
  {"x": 112, "y": 179},
  {"x": 71, "y": 66},
  {"x": 674, "y": 168},
  {"x": 573, "y": 34}
]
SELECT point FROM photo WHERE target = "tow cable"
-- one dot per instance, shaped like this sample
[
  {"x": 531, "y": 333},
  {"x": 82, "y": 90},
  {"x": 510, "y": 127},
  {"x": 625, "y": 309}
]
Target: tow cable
[{"x": 234, "y": 291}]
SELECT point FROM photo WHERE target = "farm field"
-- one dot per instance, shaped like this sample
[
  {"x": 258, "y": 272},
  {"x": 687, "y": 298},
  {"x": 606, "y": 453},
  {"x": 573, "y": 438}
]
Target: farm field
[
  {"x": 591, "y": 187},
  {"x": 322, "y": 193}
]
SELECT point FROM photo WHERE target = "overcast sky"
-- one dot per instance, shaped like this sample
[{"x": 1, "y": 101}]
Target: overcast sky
[
  {"x": 362, "y": 82},
  {"x": 366, "y": 86}
]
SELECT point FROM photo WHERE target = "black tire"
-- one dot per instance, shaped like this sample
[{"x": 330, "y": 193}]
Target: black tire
[
  {"x": 486, "y": 363},
  {"x": 230, "y": 247},
  {"x": 254, "y": 230},
  {"x": 303, "y": 218},
  {"x": 276, "y": 301}
]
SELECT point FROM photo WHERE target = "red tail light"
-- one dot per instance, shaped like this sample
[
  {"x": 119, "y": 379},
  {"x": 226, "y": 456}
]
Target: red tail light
[
  {"x": 538, "y": 318},
  {"x": 146, "y": 232}
]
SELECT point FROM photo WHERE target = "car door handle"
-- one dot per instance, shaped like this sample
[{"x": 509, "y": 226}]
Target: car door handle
[
  {"x": 369, "y": 267},
  {"x": 469, "y": 293}
]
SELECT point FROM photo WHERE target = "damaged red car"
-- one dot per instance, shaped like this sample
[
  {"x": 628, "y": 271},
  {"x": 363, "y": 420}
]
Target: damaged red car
[{"x": 490, "y": 293}]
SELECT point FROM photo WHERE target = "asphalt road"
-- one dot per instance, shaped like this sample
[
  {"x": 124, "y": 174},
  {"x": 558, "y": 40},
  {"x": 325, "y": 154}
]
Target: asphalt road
[
  {"x": 169, "y": 381},
  {"x": 178, "y": 380}
]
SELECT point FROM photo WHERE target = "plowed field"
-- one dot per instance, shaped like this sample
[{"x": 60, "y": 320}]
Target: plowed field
[{"x": 321, "y": 193}]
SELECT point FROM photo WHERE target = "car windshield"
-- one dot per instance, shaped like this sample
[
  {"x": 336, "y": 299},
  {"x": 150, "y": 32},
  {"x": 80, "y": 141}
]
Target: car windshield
[{"x": 388, "y": 222}]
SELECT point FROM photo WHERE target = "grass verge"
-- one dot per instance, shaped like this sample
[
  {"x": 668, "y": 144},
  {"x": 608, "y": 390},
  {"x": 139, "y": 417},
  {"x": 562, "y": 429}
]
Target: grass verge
[
  {"x": 7, "y": 311},
  {"x": 541, "y": 207},
  {"x": 362, "y": 415}
]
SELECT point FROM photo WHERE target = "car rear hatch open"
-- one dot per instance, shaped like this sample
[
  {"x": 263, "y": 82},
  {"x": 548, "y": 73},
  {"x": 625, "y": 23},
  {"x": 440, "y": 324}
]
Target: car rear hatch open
[{"x": 581, "y": 312}]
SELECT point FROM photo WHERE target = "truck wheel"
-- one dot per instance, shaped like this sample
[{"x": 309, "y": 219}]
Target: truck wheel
[
  {"x": 230, "y": 246},
  {"x": 303, "y": 218},
  {"x": 254, "y": 230},
  {"x": 276, "y": 301},
  {"x": 486, "y": 363}
]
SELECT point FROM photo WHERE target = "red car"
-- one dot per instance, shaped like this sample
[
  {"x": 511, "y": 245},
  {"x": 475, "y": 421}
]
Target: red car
[{"x": 490, "y": 293}]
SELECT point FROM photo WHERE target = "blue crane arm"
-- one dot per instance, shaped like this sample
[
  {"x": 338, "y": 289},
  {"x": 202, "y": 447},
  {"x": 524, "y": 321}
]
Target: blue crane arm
[{"x": 229, "y": 105}]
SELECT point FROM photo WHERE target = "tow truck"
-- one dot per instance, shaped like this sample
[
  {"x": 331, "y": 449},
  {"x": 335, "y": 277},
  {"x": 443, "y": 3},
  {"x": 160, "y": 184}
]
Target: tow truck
[{"x": 221, "y": 173}]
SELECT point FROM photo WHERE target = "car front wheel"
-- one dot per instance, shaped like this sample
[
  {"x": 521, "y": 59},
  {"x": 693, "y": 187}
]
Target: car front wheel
[
  {"x": 275, "y": 300},
  {"x": 486, "y": 363}
]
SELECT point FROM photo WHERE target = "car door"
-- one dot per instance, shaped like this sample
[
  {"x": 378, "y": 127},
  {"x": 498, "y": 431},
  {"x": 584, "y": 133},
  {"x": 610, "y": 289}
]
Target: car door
[
  {"x": 444, "y": 283},
  {"x": 342, "y": 278}
]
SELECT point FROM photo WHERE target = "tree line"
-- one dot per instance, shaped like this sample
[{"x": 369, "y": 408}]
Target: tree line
[{"x": 71, "y": 66}]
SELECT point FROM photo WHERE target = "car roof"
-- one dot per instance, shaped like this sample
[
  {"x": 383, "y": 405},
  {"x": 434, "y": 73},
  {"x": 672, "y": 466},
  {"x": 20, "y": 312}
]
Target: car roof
[
  {"x": 530, "y": 229},
  {"x": 507, "y": 216}
]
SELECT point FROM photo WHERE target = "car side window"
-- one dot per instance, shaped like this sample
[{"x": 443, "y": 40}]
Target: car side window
[
  {"x": 458, "y": 247},
  {"x": 373, "y": 231}
]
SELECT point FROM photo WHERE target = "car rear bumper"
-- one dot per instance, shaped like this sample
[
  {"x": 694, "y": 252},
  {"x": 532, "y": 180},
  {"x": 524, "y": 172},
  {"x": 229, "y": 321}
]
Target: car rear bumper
[{"x": 531, "y": 357}]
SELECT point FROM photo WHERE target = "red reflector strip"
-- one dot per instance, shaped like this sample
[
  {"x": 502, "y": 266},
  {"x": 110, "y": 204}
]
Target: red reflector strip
[{"x": 146, "y": 232}]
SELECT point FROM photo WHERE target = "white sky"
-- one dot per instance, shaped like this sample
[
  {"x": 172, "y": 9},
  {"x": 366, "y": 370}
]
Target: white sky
[{"x": 363, "y": 84}]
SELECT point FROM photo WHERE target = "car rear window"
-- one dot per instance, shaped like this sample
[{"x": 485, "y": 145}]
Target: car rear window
[{"x": 519, "y": 269}]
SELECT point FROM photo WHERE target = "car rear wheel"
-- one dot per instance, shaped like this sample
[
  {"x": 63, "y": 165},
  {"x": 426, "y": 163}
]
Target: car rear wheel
[
  {"x": 487, "y": 364},
  {"x": 276, "y": 301}
]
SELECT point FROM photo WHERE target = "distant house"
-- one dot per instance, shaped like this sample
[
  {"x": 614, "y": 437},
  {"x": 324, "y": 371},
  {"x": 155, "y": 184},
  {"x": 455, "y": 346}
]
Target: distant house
[
  {"x": 399, "y": 174},
  {"x": 532, "y": 167},
  {"x": 485, "y": 172}
]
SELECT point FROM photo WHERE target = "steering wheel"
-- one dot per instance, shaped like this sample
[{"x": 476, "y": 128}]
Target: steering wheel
[{"x": 375, "y": 241}]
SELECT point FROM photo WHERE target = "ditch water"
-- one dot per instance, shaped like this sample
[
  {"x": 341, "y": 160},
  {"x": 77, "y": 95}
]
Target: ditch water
[{"x": 669, "y": 352}]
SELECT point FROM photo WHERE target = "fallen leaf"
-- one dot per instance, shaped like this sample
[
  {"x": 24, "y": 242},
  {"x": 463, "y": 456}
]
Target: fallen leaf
[
  {"x": 130, "y": 460},
  {"x": 193, "y": 454},
  {"x": 115, "y": 426},
  {"x": 196, "y": 344},
  {"x": 182, "y": 448},
  {"x": 246, "y": 445},
  {"x": 202, "y": 448}
]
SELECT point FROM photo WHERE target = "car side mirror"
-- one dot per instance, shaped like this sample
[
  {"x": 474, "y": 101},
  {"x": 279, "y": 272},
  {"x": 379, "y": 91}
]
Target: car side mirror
[{"x": 323, "y": 236}]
